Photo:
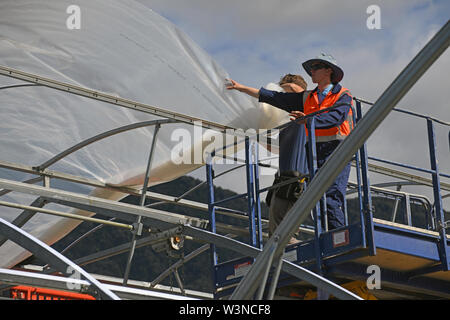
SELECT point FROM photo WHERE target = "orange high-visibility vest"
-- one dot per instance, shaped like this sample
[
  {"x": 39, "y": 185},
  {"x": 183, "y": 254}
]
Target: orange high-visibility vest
[{"x": 311, "y": 104}]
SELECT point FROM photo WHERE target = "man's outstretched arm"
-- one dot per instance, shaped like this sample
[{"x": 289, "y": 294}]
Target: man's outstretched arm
[
  {"x": 233, "y": 85},
  {"x": 283, "y": 100}
]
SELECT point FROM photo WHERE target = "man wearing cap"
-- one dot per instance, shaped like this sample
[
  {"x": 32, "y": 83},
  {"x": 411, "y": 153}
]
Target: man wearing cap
[{"x": 331, "y": 126}]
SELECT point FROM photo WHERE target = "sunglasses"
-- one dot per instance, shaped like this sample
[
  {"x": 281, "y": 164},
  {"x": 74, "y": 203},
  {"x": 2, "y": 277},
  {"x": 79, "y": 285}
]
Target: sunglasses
[{"x": 318, "y": 66}]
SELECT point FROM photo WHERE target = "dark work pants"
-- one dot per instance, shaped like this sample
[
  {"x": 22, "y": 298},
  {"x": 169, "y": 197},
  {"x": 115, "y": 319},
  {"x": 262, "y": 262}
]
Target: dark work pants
[{"x": 335, "y": 195}]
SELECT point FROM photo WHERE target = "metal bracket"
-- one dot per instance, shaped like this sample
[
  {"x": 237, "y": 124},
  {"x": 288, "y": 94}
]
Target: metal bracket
[
  {"x": 137, "y": 228},
  {"x": 443, "y": 225},
  {"x": 367, "y": 210}
]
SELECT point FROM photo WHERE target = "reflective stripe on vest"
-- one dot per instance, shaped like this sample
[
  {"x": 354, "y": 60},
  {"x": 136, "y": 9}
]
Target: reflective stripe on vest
[{"x": 335, "y": 133}]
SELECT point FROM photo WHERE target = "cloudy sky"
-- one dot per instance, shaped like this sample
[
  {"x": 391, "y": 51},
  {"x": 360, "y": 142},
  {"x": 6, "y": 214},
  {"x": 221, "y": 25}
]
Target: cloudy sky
[{"x": 258, "y": 41}]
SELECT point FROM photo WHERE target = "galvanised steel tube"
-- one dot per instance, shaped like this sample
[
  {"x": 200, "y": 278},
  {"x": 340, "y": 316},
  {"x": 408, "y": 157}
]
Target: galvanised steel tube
[
  {"x": 342, "y": 155},
  {"x": 53, "y": 257},
  {"x": 66, "y": 215},
  {"x": 96, "y": 95}
]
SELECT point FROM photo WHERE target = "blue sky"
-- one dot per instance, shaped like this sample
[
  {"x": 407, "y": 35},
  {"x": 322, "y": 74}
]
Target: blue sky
[{"x": 258, "y": 41}]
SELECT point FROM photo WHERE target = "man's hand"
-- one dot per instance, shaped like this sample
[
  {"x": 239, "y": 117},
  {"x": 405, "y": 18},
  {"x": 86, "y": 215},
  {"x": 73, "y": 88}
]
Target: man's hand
[
  {"x": 297, "y": 114},
  {"x": 233, "y": 85}
]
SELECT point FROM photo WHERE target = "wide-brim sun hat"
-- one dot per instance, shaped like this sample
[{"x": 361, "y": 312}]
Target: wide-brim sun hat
[{"x": 329, "y": 60}]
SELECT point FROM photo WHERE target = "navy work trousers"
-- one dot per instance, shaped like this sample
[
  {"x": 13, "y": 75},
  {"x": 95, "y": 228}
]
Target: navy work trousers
[{"x": 335, "y": 195}]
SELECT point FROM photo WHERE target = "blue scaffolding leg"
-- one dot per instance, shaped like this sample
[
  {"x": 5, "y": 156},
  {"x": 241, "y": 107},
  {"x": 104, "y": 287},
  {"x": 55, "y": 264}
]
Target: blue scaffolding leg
[
  {"x": 257, "y": 197},
  {"x": 312, "y": 165},
  {"x": 367, "y": 198},
  {"x": 320, "y": 209},
  {"x": 358, "y": 182},
  {"x": 249, "y": 161},
  {"x": 212, "y": 216},
  {"x": 443, "y": 247}
]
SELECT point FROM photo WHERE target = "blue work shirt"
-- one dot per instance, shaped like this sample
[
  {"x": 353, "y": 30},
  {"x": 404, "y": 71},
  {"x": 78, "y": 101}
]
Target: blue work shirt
[
  {"x": 294, "y": 102},
  {"x": 322, "y": 94},
  {"x": 292, "y": 140}
]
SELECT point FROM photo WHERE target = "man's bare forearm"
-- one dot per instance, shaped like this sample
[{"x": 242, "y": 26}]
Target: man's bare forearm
[
  {"x": 233, "y": 85},
  {"x": 250, "y": 91}
]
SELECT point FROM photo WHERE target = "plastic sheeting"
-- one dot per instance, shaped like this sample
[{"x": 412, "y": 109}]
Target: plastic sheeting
[{"x": 122, "y": 48}]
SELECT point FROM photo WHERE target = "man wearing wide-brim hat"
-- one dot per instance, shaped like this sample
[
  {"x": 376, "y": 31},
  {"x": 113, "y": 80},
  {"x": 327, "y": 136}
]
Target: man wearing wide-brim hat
[{"x": 331, "y": 127}]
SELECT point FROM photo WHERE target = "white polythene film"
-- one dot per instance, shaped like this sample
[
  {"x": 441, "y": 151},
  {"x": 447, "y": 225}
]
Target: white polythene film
[{"x": 122, "y": 48}]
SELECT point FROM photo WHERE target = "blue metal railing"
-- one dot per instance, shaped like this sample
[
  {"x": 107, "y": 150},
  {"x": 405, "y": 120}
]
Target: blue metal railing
[
  {"x": 253, "y": 194},
  {"x": 435, "y": 173},
  {"x": 319, "y": 212}
]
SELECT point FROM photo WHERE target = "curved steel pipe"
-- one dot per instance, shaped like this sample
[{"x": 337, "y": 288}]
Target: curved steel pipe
[
  {"x": 47, "y": 253},
  {"x": 101, "y": 136}
]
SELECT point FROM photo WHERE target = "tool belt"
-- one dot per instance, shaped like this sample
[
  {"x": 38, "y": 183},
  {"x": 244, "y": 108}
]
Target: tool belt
[{"x": 287, "y": 190}]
